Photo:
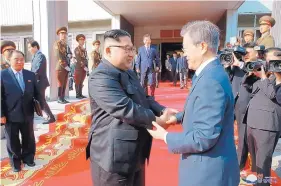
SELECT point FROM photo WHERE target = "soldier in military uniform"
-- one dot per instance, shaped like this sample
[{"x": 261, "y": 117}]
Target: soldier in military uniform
[
  {"x": 63, "y": 56},
  {"x": 6, "y": 48},
  {"x": 266, "y": 23},
  {"x": 81, "y": 65},
  {"x": 96, "y": 56},
  {"x": 248, "y": 35}
]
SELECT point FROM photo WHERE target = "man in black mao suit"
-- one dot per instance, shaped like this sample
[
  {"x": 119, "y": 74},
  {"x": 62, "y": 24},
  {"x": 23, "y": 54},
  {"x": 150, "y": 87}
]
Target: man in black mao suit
[
  {"x": 119, "y": 143},
  {"x": 39, "y": 67},
  {"x": 263, "y": 122},
  {"x": 18, "y": 88}
]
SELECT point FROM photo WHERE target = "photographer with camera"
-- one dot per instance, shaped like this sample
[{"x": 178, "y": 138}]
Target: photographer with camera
[
  {"x": 242, "y": 99},
  {"x": 263, "y": 117}
]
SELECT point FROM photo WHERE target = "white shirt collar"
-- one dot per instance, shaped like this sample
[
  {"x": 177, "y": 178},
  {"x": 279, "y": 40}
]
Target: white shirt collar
[
  {"x": 15, "y": 72},
  {"x": 203, "y": 65}
]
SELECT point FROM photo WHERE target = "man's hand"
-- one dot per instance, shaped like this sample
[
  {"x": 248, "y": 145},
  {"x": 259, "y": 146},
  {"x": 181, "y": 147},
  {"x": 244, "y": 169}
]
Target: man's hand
[
  {"x": 167, "y": 115},
  {"x": 263, "y": 74},
  {"x": 159, "y": 133},
  {"x": 236, "y": 61},
  {"x": 138, "y": 71},
  {"x": 278, "y": 77},
  {"x": 3, "y": 120},
  {"x": 172, "y": 120}
]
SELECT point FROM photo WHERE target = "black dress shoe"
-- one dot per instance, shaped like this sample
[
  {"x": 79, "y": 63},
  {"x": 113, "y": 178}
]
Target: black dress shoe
[
  {"x": 65, "y": 101},
  {"x": 16, "y": 169},
  {"x": 83, "y": 96},
  {"x": 79, "y": 97},
  {"x": 61, "y": 101},
  {"x": 30, "y": 164},
  {"x": 51, "y": 120}
]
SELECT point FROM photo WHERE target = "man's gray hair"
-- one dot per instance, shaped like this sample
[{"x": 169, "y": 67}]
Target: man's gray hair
[{"x": 203, "y": 31}]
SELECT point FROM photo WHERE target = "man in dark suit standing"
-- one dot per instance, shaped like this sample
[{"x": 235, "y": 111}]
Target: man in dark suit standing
[
  {"x": 147, "y": 64},
  {"x": 173, "y": 61},
  {"x": 182, "y": 69},
  {"x": 242, "y": 98},
  {"x": 39, "y": 67},
  {"x": 119, "y": 143},
  {"x": 18, "y": 88},
  {"x": 263, "y": 121}
]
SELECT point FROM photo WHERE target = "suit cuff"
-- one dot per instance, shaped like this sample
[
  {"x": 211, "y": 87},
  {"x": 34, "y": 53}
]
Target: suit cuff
[
  {"x": 179, "y": 117},
  {"x": 165, "y": 137}
]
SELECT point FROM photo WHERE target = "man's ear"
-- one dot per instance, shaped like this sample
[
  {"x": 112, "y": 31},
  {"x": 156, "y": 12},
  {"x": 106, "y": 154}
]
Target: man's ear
[
  {"x": 204, "y": 47},
  {"x": 107, "y": 51}
]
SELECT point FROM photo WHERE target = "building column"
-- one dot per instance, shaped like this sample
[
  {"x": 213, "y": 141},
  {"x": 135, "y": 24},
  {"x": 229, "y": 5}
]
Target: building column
[
  {"x": 116, "y": 22},
  {"x": 47, "y": 17},
  {"x": 276, "y": 14},
  {"x": 231, "y": 24}
]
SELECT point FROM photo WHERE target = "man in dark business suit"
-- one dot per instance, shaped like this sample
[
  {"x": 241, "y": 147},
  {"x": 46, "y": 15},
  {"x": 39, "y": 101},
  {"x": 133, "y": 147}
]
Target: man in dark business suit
[
  {"x": 263, "y": 121},
  {"x": 39, "y": 67},
  {"x": 182, "y": 69},
  {"x": 119, "y": 143},
  {"x": 206, "y": 143},
  {"x": 147, "y": 64},
  {"x": 242, "y": 100},
  {"x": 173, "y": 61},
  {"x": 18, "y": 88}
]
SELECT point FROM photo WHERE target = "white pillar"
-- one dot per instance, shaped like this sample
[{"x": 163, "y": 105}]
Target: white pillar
[
  {"x": 47, "y": 17},
  {"x": 231, "y": 24},
  {"x": 115, "y": 22},
  {"x": 276, "y": 14}
]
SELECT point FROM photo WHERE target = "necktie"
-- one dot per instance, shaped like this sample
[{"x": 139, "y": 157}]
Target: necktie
[{"x": 20, "y": 81}]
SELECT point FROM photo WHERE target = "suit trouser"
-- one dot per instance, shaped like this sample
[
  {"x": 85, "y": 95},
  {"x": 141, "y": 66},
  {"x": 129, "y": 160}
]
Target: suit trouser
[
  {"x": 79, "y": 77},
  {"x": 46, "y": 107},
  {"x": 261, "y": 145},
  {"x": 148, "y": 78},
  {"x": 183, "y": 77},
  {"x": 158, "y": 78},
  {"x": 242, "y": 150},
  {"x": 100, "y": 177},
  {"x": 62, "y": 76},
  {"x": 174, "y": 76},
  {"x": 20, "y": 151}
]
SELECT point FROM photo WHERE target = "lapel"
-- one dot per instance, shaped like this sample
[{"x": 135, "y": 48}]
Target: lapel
[
  {"x": 147, "y": 51},
  {"x": 25, "y": 79},
  {"x": 14, "y": 78},
  {"x": 206, "y": 69}
]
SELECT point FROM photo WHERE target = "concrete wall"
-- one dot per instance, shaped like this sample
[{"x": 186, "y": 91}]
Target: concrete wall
[
  {"x": 127, "y": 26},
  {"x": 222, "y": 25},
  {"x": 154, "y": 31},
  {"x": 276, "y": 13}
]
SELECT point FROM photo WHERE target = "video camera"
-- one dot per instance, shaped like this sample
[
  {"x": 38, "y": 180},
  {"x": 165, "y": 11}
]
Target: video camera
[
  {"x": 226, "y": 55},
  {"x": 255, "y": 65},
  {"x": 275, "y": 65}
]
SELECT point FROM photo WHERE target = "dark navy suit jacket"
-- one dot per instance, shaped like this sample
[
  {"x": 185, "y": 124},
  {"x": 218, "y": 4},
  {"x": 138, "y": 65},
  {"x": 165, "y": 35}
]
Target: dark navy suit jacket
[
  {"x": 17, "y": 106},
  {"x": 147, "y": 60}
]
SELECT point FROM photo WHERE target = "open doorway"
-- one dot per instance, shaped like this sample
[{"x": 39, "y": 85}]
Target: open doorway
[{"x": 168, "y": 48}]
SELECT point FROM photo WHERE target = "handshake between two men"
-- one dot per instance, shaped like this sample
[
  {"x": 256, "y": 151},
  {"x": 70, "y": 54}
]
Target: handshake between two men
[{"x": 163, "y": 122}]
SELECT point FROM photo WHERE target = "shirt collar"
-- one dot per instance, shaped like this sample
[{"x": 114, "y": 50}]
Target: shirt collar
[
  {"x": 15, "y": 72},
  {"x": 203, "y": 65}
]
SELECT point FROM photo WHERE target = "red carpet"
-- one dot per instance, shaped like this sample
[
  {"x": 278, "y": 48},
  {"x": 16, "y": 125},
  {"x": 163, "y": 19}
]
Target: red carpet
[{"x": 60, "y": 155}]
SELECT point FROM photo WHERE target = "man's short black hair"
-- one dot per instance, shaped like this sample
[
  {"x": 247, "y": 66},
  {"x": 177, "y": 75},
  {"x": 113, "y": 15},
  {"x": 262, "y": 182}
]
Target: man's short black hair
[
  {"x": 35, "y": 43},
  {"x": 116, "y": 34},
  {"x": 250, "y": 45},
  {"x": 272, "y": 49}
]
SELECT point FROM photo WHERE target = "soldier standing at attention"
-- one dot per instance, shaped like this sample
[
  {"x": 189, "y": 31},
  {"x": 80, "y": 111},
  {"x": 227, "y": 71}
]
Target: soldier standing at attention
[
  {"x": 63, "y": 56},
  {"x": 266, "y": 23},
  {"x": 96, "y": 56},
  {"x": 81, "y": 65},
  {"x": 6, "y": 48},
  {"x": 248, "y": 35}
]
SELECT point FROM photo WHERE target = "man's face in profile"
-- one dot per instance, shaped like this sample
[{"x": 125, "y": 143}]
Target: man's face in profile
[{"x": 192, "y": 52}]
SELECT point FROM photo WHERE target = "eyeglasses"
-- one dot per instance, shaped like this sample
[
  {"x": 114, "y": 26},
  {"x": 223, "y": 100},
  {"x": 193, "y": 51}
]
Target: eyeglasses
[{"x": 128, "y": 49}]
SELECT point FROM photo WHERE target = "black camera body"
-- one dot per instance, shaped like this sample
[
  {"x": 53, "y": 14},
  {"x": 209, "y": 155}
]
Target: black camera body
[
  {"x": 226, "y": 55},
  {"x": 256, "y": 65},
  {"x": 274, "y": 66}
]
